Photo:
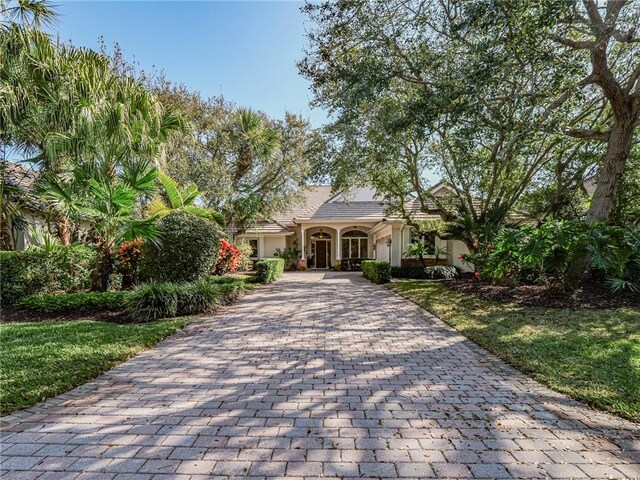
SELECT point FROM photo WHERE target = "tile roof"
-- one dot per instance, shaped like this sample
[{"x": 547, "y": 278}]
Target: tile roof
[
  {"x": 268, "y": 227},
  {"x": 22, "y": 179},
  {"x": 17, "y": 175},
  {"x": 315, "y": 196},
  {"x": 360, "y": 210}
]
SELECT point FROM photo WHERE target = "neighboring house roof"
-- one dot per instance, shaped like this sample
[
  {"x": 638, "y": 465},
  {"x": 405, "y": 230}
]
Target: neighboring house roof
[
  {"x": 17, "y": 175},
  {"x": 22, "y": 177}
]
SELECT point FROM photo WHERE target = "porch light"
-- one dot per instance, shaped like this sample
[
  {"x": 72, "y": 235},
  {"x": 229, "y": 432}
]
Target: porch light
[{"x": 389, "y": 242}]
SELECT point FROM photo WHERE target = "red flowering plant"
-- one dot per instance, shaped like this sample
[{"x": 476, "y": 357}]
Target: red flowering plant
[
  {"x": 128, "y": 262},
  {"x": 477, "y": 259},
  {"x": 229, "y": 258}
]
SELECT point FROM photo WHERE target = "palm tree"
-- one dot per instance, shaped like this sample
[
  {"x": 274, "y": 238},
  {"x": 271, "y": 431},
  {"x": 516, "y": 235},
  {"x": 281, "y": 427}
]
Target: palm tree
[
  {"x": 250, "y": 136},
  {"x": 108, "y": 204},
  {"x": 180, "y": 199},
  {"x": 111, "y": 208},
  {"x": 68, "y": 108},
  {"x": 464, "y": 225},
  {"x": 26, "y": 12}
]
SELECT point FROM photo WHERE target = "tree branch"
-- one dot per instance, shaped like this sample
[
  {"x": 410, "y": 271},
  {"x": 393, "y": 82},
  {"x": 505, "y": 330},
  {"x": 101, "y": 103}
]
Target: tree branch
[
  {"x": 575, "y": 44},
  {"x": 589, "y": 134}
]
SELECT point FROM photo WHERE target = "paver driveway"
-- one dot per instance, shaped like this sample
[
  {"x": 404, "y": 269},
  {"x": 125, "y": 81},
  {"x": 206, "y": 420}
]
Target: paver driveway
[{"x": 318, "y": 375}]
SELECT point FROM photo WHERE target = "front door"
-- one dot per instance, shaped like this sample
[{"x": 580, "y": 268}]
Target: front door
[{"x": 321, "y": 254}]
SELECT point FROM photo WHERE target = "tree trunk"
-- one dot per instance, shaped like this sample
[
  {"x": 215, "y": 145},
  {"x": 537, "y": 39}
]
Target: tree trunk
[
  {"x": 64, "y": 230},
  {"x": 104, "y": 267},
  {"x": 610, "y": 174},
  {"x": 5, "y": 236}
]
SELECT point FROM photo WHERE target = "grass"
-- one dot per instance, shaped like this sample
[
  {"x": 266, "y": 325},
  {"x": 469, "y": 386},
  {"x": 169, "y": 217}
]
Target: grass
[
  {"x": 40, "y": 360},
  {"x": 590, "y": 355}
]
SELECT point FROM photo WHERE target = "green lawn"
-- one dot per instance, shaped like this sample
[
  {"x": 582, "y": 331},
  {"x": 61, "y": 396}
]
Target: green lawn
[
  {"x": 591, "y": 355},
  {"x": 40, "y": 360}
]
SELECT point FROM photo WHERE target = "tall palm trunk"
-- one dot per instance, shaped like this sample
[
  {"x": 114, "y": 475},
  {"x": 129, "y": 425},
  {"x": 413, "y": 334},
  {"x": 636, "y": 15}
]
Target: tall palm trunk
[
  {"x": 64, "y": 230},
  {"x": 104, "y": 267}
]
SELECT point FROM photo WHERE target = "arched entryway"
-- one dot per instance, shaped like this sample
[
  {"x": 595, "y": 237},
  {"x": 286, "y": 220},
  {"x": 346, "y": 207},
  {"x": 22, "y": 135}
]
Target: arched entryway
[{"x": 320, "y": 250}]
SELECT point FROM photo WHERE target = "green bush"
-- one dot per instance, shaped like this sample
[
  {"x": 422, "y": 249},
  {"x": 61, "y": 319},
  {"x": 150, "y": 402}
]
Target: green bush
[
  {"x": 151, "y": 301},
  {"x": 269, "y": 269},
  {"x": 37, "y": 271},
  {"x": 420, "y": 273},
  {"x": 408, "y": 272},
  {"x": 199, "y": 297},
  {"x": 231, "y": 291},
  {"x": 440, "y": 271},
  {"x": 187, "y": 250},
  {"x": 376, "y": 271},
  {"x": 290, "y": 255},
  {"x": 546, "y": 254},
  {"x": 223, "y": 279},
  {"x": 82, "y": 302}
]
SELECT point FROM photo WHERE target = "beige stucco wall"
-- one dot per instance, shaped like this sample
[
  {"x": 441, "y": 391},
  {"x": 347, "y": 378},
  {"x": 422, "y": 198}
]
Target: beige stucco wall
[
  {"x": 459, "y": 248},
  {"x": 271, "y": 243}
]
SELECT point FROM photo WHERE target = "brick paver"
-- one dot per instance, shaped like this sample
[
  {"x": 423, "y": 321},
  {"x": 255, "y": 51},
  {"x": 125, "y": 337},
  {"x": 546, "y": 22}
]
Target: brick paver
[{"x": 318, "y": 375}]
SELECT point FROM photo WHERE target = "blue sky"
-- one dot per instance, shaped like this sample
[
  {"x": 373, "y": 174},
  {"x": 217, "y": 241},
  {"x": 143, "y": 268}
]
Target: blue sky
[{"x": 245, "y": 50}]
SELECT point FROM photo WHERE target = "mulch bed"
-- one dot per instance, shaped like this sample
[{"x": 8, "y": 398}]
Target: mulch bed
[
  {"x": 9, "y": 316},
  {"x": 587, "y": 296}
]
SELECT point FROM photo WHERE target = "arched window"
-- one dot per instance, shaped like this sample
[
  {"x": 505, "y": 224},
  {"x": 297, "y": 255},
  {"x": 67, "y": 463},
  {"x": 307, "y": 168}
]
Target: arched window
[{"x": 355, "y": 244}]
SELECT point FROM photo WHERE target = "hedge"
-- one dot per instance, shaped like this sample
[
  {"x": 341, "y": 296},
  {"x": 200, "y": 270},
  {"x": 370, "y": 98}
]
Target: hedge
[
  {"x": 152, "y": 301},
  {"x": 37, "y": 272},
  {"x": 74, "y": 302},
  {"x": 432, "y": 272},
  {"x": 187, "y": 250},
  {"x": 269, "y": 269},
  {"x": 376, "y": 271}
]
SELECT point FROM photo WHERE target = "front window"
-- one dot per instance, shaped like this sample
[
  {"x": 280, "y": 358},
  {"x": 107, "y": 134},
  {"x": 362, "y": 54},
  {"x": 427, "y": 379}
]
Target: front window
[
  {"x": 355, "y": 244},
  {"x": 254, "y": 247},
  {"x": 427, "y": 238}
]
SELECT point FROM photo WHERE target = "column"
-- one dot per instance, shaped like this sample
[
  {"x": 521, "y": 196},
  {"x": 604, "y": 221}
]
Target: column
[
  {"x": 302, "y": 254},
  {"x": 395, "y": 255},
  {"x": 338, "y": 244}
]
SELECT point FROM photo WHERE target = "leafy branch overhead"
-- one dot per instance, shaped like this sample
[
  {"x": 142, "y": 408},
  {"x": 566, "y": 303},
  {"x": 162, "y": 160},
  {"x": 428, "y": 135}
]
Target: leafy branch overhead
[{"x": 501, "y": 99}]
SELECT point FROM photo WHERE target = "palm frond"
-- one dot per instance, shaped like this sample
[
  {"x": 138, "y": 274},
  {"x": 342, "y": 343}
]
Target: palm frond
[{"x": 171, "y": 188}]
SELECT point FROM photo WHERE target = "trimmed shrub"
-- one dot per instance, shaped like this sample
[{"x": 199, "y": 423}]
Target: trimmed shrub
[
  {"x": 151, "y": 301},
  {"x": 37, "y": 271},
  {"x": 269, "y": 269},
  {"x": 408, "y": 272},
  {"x": 74, "y": 302},
  {"x": 229, "y": 258},
  {"x": 376, "y": 271},
  {"x": 187, "y": 251},
  {"x": 423, "y": 273}
]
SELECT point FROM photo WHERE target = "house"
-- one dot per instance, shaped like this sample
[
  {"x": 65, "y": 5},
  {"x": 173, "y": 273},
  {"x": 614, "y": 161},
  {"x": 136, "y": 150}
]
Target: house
[
  {"x": 21, "y": 210},
  {"x": 331, "y": 229}
]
